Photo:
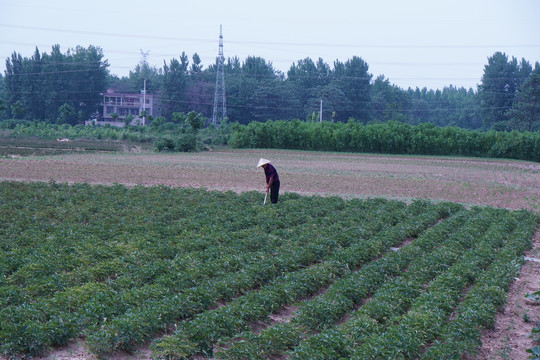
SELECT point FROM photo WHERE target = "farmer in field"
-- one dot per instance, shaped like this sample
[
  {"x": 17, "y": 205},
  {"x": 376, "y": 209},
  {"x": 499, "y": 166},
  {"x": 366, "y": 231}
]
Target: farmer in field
[{"x": 272, "y": 179}]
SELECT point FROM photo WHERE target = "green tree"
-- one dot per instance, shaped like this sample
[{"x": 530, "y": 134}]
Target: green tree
[
  {"x": 3, "y": 104},
  {"x": 174, "y": 86},
  {"x": 17, "y": 110},
  {"x": 34, "y": 98},
  {"x": 128, "y": 119},
  {"x": 179, "y": 118},
  {"x": 258, "y": 68},
  {"x": 525, "y": 112},
  {"x": 307, "y": 76},
  {"x": 66, "y": 114},
  {"x": 195, "y": 120},
  {"x": 44, "y": 82},
  {"x": 272, "y": 100},
  {"x": 304, "y": 75},
  {"x": 89, "y": 79},
  {"x": 13, "y": 83},
  {"x": 233, "y": 66},
  {"x": 336, "y": 106},
  {"x": 144, "y": 72},
  {"x": 324, "y": 74},
  {"x": 389, "y": 102},
  {"x": 196, "y": 66},
  {"x": 353, "y": 79},
  {"x": 500, "y": 83}
]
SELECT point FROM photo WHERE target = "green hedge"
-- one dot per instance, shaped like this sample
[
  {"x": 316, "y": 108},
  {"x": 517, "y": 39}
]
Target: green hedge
[{"x": 388, "y": 138}]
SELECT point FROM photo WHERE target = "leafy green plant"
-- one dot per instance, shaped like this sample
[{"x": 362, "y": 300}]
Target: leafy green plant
[
  {"x": 392, "y": 137},
  {"x": 121, "y": 265},
  {"x": 535, "y": 332}
]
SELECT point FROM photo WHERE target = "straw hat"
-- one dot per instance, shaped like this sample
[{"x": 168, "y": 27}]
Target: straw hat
[{"x": 262, "y": 162}]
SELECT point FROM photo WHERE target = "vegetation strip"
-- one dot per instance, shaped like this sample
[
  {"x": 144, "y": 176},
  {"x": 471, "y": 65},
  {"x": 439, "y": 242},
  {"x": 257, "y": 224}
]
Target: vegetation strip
[
  {"x": 324, "y": 311},
  {"x": 119, "y": 265}
]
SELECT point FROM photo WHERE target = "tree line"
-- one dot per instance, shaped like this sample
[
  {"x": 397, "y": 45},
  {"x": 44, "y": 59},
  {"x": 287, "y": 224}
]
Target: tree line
[
  {"x": 65, "y": 88},
  {"x": 392, "y": 137},
  {"x": 56, "y": 87}
]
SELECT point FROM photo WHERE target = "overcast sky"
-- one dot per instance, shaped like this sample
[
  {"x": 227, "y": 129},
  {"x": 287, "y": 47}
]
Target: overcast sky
[{"x": 414, "y": 43}]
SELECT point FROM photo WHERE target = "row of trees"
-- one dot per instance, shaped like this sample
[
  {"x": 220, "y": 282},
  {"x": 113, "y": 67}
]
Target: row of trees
[
  {"x": 56, "y": 86},
  {"x": 389, "y": 138},
  {"x": 60, "y": 87}
]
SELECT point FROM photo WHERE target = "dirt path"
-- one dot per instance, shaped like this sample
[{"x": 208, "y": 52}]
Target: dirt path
[{"x": 510, "y": 336}]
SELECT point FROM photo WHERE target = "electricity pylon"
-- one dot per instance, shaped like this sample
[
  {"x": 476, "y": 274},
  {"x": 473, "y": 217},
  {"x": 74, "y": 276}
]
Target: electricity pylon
[{"x": 220, "y": 109}]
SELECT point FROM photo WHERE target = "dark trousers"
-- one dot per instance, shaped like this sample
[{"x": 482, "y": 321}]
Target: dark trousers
[{"x": 274, "y": 191}]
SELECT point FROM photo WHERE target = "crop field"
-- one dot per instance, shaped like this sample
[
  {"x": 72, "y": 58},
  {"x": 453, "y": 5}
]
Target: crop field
[
  {"x": 127, "y": 254},
  {"x": 36, "y": 146}
]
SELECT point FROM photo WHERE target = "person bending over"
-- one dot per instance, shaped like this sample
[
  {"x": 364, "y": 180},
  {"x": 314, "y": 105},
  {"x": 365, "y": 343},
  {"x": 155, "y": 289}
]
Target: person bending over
[{"x": 272, "y": 179}]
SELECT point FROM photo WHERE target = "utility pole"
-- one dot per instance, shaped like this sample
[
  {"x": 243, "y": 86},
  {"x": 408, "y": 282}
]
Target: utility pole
[
  {"x": 144, "y": 102},
  {"x": 220, "y": 109},
  {"x": 144, "y": 66}
]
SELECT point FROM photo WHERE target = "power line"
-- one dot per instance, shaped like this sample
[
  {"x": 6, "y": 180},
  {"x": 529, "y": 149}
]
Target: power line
[{"x": 277, "y": 43}]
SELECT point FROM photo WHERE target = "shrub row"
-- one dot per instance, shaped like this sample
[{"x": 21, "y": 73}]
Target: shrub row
[{"x": 387, "y": 138}]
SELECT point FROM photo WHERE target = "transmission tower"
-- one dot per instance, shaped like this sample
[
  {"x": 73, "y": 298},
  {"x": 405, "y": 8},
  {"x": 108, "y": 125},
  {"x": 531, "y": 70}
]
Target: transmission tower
[
  {"x": 220, "y": 109},
  {"x": 145, "y": 56}
]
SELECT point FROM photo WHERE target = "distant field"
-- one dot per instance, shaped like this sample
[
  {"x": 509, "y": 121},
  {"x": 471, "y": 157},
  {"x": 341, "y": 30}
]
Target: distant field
[
  {"x": 500, "y": 183},
  {"x": 30, "y": 146}
]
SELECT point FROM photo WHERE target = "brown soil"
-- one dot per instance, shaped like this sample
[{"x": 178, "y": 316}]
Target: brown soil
[
  {"x": 510, "y": 336},
  {"x": 500, "y": 183}
]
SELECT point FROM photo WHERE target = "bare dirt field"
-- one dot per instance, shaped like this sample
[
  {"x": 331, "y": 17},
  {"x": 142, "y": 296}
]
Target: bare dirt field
[{"x": 499, "y": 183}]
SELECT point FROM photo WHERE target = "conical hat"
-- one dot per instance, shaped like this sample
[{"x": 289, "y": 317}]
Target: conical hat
[{"x": 262, "y": 162}]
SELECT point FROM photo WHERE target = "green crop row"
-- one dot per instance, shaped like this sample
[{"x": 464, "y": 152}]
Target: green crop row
[
  {"x": 155, "y": 315},
  {"x": 365, "y": 336},
  {"x": 351, "y": 290},
  {"x": 378, "y": 309},
  {"x": 118, "y": 266},
  {"x": 111, "y": 265},
  {"x": 477, "y": 311},
  {"x": 409, "y": 333},
  {"x": 200, "y": 334}
]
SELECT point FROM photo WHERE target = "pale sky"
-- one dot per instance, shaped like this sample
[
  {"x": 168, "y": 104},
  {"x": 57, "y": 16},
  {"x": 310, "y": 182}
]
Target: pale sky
[{"x": 414, "y": 43}]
